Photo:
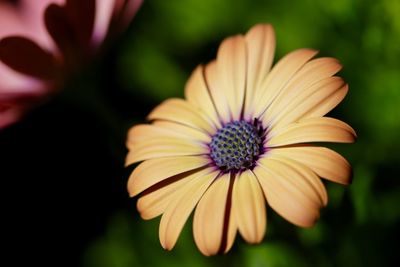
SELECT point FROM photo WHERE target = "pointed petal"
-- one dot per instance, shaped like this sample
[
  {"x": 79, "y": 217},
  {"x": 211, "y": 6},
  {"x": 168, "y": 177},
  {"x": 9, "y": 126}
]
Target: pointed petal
[
  {"x": 311, "y": 73},
  {"x": 163, "y": 146},
  {"x": 196, "y": 92},
  {"x": 27, "y": 57},
  {"x": 260, "y": 41},
  {"x": 325, "y": 162},
  {"x": 231, "y": 72},
  {"x": 154, "y": 203},
  {"x": 315, "y": 184},
  {"x": 146, "y": 132},
  {"x": 326, "y": 104},
  {"x": 312, "y": 130},
  {"x": 123, "y": 13},
  {"x": 152, "y": 171},
  {"x": 183, "y": 130},
  {"x": 217, "y": 92},
  {"x": 181, "y": 111},
  {"x": 248, "y": 204},
  {"x": 279, "y": 76},
  {"x": 103, "y": 15},
  {"x": 181, "y": 206},
  {"x": 315, "y": 101},
  {"x": 288, "y": 192},
  {"x": 208, "y": 222}
]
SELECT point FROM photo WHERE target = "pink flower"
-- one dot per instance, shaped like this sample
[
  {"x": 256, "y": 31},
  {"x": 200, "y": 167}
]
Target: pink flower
[{"x": 43, "y": 41}]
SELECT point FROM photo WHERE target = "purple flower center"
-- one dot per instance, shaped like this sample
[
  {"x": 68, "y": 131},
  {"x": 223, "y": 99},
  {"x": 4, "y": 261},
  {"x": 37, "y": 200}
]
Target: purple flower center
[{"x": 237, "y": 145}]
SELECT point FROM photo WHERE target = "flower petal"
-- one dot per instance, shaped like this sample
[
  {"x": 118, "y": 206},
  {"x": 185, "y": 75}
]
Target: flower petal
[
  {"x": 231, "y": 71},
  {"x": 128, "y": 12},
  {"x": 154, "y": 203},
  {"x": 325, "y": 162},
  {"x": 27, "y": 57},
  {"x": 14, "y": 83},
  {"x": 320, "y": 196},
  {"x": 181, "y": 111},
  {"x": 14, "y": 105},
  {"x": 248, "y": 204},
  {"x": 226, "y": 78},
  {"x": 196, "y": 92},
  {"x": 104, "y": 12},
  {"x": 163, "y": 146},
  {"x": 312, "y": 130},
  {"x": 288, "y": 192},
  {"x": 26, "y": 19},
  {"x": 59, "y": 28},
  {"x": 146, "y": 132},
  {"x": 260, "y": 43},
  {"x": 279, "y": 76},
  {"x": 208, "y": 221},
  {"x": 181, "y": 206},
  {"x": 311, "y": 73},
  {"x": 81, "y": 15},
  {"x": 183, "y": 130},
  {"x": 218, "y": 92},
  {"x": 11, "y": 23},
  {"x": 315, "y": 101},
  {"x": 152, "y": 171},
  {"x": 231, "y": 228}
]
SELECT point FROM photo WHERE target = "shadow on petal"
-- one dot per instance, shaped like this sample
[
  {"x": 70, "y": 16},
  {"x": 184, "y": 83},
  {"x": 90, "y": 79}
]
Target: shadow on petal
[
  {"x": 25, "y": 56},
  {"x": 81, "y": 17}
]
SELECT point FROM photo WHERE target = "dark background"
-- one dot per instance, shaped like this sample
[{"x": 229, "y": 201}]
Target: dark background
[{"x": 62, "y": 167}]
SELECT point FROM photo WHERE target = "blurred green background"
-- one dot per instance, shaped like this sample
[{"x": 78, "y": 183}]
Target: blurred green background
[{"x": 75, "y": 143}]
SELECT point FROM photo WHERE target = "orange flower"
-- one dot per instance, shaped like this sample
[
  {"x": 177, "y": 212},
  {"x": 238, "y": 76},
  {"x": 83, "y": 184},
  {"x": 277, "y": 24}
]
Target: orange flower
[
  {"x": 239, "y": 140},
  {"x": 43, "y": 41}
]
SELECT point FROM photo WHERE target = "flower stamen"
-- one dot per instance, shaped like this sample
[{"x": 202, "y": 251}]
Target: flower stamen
[{"x": 237, "y": 145}]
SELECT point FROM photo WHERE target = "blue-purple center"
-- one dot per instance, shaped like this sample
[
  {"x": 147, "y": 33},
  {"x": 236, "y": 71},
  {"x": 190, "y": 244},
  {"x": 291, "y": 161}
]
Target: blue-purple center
[{"x": 237, "y": 145}]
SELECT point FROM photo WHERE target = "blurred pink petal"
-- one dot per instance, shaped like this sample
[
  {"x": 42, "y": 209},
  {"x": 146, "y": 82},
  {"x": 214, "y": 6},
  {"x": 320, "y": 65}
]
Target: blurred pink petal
[
  {"x": 15, "y": 82},
  {"x": 81, "y": 15},
  {"x": 43, "y": 41},
  {"x": 104, "y": 11},
  {"x": 26, "y": 19},
  {"x": 59, "y": 28},
  {"x": 19, "y": 92},
  {"x": 132, "y": 6},
  {"x": 25, "y": 56},
  {"x": 116, "y": 13},
  {"x": 10, "y": 20},
  {"x": 8, "y": 114},
  {"x": 13, "y": 106},
  {"x": 32, "y": 13}
]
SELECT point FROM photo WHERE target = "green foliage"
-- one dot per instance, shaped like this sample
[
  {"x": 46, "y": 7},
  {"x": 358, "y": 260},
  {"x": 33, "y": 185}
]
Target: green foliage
[{"x": 273, "y": 254}]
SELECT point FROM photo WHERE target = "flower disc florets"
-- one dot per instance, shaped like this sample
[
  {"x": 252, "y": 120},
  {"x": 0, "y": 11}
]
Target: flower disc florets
[{"x": 236, "y": 146}]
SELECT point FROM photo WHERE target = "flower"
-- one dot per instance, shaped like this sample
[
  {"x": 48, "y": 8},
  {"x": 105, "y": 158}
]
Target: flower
[
  {"x": 43, "y": 42},
  {"x": 241, "y": 139}
]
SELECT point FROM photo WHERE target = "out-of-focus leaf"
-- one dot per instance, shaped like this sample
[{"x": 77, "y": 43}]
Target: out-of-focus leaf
[
  {"x": 152, "y": 69},
  {"x": 273, "y": 254},
  {"x": 361, "y": 193},
  {"x": 314, "y": 235},
  {"x": 115, "y": 248}
]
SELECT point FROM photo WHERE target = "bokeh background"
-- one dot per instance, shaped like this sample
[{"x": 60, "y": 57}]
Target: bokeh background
[{"x": 62, "y": 167}]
